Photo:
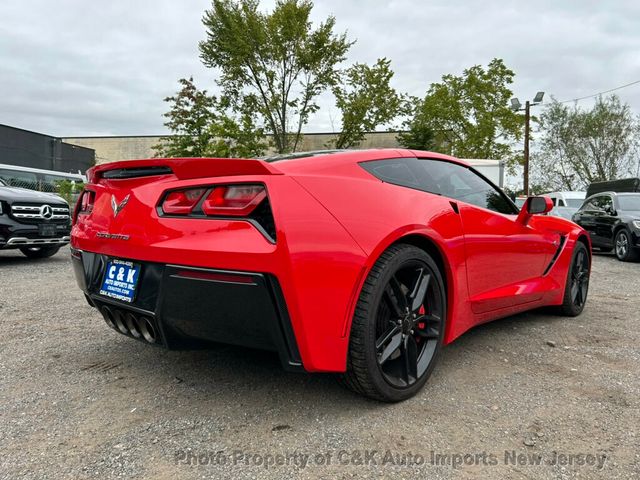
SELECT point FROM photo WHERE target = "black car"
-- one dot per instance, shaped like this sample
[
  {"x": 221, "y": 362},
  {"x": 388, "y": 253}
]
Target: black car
[
  {"x": 613, "y": 221},
  {"x": 37, "y": 223}
]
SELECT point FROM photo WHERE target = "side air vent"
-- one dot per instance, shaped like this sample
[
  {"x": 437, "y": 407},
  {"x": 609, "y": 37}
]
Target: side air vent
[
  {"x": 561, "y": 243},
  {"x": 135, "y": 172},
  {"x": 263, "y": 216}
]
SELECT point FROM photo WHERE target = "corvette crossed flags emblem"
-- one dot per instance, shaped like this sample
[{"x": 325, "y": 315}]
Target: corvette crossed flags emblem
[{"x": 117, "y": 208}]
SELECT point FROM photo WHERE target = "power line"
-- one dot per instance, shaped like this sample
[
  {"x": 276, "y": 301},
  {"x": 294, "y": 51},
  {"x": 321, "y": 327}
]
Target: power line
[{"x": 601, "y": 93}]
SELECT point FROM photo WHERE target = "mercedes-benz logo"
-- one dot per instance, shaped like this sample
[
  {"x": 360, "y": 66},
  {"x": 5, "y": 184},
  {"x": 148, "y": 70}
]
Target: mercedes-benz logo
[{"x": 46, "y": 211}]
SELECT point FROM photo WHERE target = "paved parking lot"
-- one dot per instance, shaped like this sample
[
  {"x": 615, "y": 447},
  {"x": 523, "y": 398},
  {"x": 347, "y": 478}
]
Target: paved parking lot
[{"x": 78, "y": 400}]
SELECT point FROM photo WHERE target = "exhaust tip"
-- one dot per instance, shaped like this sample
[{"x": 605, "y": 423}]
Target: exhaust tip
[
  {"x": 132, "y": 325},
  {"x": 147, "y": 329},
  {"x": 108, "y": 317},
  {"x": 118, "y": 318}
]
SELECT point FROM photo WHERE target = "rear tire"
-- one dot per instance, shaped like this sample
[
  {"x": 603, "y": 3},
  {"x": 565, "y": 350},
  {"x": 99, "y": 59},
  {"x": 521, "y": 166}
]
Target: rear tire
[
  {"x": 623, "y": 248},
  {"x": 577, "y": 286},
  {"x": 398, "y": 326},
  {"x": 39, "y": 252}
]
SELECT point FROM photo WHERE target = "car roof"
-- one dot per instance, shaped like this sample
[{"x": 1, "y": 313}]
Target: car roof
[
  {"x": 327, "y": 161},
  {"x": 618, "y": 194}
]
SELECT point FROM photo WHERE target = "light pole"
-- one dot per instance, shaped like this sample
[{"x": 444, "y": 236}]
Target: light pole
[{"x": 516, "y": 106}]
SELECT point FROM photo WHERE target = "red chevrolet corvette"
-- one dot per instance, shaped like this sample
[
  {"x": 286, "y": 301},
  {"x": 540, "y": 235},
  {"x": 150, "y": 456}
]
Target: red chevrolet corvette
[{"x": 359, "y": 262}]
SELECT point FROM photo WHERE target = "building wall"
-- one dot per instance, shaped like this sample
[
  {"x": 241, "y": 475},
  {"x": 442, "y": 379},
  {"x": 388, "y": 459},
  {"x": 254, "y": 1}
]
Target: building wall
[
  {"x": 110, "y": 149},
  {"x": 30, "y": 149}
]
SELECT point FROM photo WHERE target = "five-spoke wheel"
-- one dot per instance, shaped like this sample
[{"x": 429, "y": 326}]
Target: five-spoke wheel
[
  {"x": 623, "y": 247},
  {"x": 577, "y": 286},
  {"x": 408, "y": 325},
  {"x": 398, "y": 326},
  {"x": 580, "y": 278}
]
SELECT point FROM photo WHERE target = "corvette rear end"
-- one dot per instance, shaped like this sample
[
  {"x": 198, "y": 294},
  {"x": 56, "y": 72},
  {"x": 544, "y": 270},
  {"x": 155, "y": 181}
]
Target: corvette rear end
[{"x": 184, "y": 251}]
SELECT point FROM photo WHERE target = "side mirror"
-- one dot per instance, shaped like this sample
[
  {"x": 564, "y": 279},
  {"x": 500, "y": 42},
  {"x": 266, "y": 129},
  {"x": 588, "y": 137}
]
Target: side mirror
[
  {"x": 538, "y": 205},
  {"x": 534, "y": 206}
]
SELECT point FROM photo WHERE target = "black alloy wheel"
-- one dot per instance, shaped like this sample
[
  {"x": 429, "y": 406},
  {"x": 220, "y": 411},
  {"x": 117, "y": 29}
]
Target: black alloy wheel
[
  {"x": 398, "y": 326},
  {"x": 580, "y": 278},
  {"x": 408, "y": 324},
  {"x": 577, "y": 285},
  {"x": 623, "y": 248}
]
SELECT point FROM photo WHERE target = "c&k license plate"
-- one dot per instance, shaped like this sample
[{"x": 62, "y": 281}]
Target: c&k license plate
[{"x": 120, "y": 280}]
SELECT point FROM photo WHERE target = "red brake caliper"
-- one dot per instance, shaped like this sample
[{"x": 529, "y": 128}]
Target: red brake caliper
[{"x": 421, "y": 311}]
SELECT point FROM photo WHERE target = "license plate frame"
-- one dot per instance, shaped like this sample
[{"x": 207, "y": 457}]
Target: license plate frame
[{"x": 118, "y": 282}]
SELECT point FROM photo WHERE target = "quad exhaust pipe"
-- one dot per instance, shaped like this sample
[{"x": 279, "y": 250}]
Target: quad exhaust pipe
[{"x": 129, "y": 323}]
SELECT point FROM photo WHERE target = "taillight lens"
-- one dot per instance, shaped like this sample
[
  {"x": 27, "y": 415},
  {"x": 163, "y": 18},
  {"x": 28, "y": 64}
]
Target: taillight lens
[
  {"x": 181, "y": 202},
  {"x": 234, "y": 200},
  {"x": 84, "y": 204}
]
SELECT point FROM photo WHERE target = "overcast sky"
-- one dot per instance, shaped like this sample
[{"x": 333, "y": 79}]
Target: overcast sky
[{"x": 73, "y": 68}]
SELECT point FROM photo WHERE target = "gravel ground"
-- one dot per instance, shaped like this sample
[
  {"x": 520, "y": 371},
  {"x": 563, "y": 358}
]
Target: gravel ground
[{"x": 78, "y": 400}]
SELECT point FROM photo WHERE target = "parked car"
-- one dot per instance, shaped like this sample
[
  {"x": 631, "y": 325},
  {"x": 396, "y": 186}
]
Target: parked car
[
  {"x": 37, "y": 223},
  {"x": 565, "y": 204},
  {"x": 358, "y": 262},
  {"x": 613, "y": 222}
]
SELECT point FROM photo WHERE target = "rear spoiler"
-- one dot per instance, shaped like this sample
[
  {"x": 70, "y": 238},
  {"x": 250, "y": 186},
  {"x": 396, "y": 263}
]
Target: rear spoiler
[{"x": 182, "y": 168}]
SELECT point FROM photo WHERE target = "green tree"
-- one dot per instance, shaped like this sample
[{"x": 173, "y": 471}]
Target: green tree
[
  {"x": 367, "y": 101},
  {"x": 468, "y": 115},
  {"x": 274, "y": 63},
  {"x": 202, "y": 128},
  {"x": 419, "y": 133},
  {"x": 578, "y": 147}
]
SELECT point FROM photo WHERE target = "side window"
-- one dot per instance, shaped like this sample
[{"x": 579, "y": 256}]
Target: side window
[
  {"x": 554, "y": 201},
  {"x": 399, "y": 171},
  {"x": 605, "y": 202},
  {"x": 592, "y": 205},
  {"x": 442, "y": 178},
  {"x": 561, "y": 203},
  {"x": 461, "y": 183}
]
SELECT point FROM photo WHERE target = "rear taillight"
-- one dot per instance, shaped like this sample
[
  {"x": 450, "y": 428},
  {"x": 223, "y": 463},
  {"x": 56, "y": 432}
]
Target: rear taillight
[
  {"x": 219, "y": 201},
  {"x": 84, "y": 204},
  {"x": 234, "y": 200},
  {"x": 246, "y": 201},
  {"x": 181, "y": 202}
]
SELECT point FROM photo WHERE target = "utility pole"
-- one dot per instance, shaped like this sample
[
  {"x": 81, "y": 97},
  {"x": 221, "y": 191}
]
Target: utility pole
[
  {"x": 516, "y": 107},
  {"x": 527, "y": 119}
]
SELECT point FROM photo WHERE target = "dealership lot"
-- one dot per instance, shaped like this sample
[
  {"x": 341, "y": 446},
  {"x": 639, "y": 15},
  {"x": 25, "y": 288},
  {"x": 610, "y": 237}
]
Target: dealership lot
[{"x": 538, "y": 395}]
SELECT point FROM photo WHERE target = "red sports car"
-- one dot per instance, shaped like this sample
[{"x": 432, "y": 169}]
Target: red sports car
[{"x": 358, "y": 262}]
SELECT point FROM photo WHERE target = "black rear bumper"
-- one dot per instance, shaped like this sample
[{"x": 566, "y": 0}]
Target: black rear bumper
[{"x": 189, "y": 307}]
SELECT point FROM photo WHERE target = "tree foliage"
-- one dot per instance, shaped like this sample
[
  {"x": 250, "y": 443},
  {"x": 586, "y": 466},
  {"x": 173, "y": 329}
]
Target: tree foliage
[
  {"x": 275, "y": 64},
  {"x": 468, "y": 115},
  {"x": 367, "y": 101},
  {"x": 579, "y": 146},
  {"x": 202, "y": 127}
]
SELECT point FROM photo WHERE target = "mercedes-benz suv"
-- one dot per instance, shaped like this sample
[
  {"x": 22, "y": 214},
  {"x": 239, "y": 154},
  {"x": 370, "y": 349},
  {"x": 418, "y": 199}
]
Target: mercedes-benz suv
[{"x": 37, "y": 223}]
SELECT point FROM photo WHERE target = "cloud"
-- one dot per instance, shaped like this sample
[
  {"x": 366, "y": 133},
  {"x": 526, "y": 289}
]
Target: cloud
[{"x": 83, "y": 68}]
